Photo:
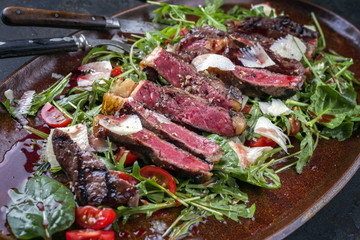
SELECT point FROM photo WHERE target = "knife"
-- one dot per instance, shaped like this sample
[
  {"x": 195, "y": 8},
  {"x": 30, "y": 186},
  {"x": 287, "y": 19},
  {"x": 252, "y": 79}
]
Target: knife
[
  {"x": 16, "y": 48},
  {"x": 20, "y": 16}
]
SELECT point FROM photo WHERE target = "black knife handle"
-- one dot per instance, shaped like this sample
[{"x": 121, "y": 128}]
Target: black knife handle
[
  {"x": 45, "y": 18},
  {"x": 16, "y": 48}
]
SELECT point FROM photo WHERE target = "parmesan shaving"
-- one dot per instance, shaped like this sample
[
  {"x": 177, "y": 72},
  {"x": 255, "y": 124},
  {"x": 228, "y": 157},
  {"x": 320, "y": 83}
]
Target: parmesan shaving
[
  {"x": 274, "y": 108},
  {"x": 9, "y": 94},
  {"x": 287, "y": 48},
  {"x": 266, "y": 128},
  {"x": 255, "y": 57},
  {"x": 205, "y": 61},
  {"x": 247, "y": 155},
  {"x": 131, "y": 124}
]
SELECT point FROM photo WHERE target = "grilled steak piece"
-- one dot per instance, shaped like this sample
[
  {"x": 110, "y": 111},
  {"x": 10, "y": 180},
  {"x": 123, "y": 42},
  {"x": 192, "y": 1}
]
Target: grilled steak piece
[
  {"x": 203, "y": 40},
  {"x": 185, "y": 108},
  {"x": 146, "y": 143},
  {"x": 273, "y": 27},
  {"x": 265, "y": 30},
  {"x": 208, "y": 39},
  {"x": 260, "y": 82},
  {"x": 180, "y": 136},
  {"x": 93, "y": 183},
  {"x": 183, "y": 75}
]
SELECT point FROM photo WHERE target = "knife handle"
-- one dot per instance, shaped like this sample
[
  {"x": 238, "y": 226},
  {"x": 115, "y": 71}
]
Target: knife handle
[
  {"x": 45, "y": 18},
  {"x": 16, "y": 48}
]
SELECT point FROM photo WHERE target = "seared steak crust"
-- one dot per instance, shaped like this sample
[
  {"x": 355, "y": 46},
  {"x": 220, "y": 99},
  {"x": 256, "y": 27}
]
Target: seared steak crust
[{"x": 93, "y": 183}]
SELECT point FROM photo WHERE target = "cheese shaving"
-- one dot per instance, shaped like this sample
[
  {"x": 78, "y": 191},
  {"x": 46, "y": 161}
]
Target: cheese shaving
[
  {"x": 255, "y": 57},
  {"x": 266, "y": 128},
  {"x": 131, "y": 124},
  {"x": 287, "y": 48},
  {"x": 205, "y": 61},
  {"x": 274, "y": 108},
  {"x": 266, "y": 8}
]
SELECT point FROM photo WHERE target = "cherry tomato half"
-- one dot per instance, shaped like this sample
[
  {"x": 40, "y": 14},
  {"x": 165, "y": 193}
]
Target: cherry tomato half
[
  {"x": 295, "y": 126},
  {"x": 93, "y": 217},
  {"x": 261, "y": 142},
  {"x": 161, "y": 176},
  {"x": 124, "y": 176},
  {"x": 116, "y": 71},
  {"x": 89, "y": 234},
  {"x": 53, "y": 117},
  {"x": 130, "y": 157}
]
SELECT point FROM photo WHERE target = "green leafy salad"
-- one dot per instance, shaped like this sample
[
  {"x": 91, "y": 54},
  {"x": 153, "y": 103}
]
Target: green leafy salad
[{"x": 325, "y": 107}]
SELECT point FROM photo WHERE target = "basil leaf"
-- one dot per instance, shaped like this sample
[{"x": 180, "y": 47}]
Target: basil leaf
[{"x": 46, "y": 207}]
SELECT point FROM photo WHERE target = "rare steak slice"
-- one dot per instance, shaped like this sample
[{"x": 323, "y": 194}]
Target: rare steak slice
[
  {"x": 147, "y": 143},
  {"x": 178, "y": 135},
  {"x": 261, "y": 83},
  {"x": 232, "y": 46},
  {"x": 185, "y": 108},
  {"x": 93, "y": 183},
  {"x": 273, "y": 27},
  {"x": 183, "y": 75}
]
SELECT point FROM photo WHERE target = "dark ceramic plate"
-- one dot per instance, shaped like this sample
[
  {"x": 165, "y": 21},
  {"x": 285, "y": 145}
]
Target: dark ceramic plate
[{"x": 279, "y": 212}]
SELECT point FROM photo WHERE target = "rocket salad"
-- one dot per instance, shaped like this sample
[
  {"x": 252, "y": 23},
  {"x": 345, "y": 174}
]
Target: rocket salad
[{"x": 325, "y": 107}]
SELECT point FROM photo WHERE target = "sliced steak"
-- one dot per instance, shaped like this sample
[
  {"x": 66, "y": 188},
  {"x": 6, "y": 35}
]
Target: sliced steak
[
  {"x": 261, "y": 83},
  {"x": 183, "y": 75},
  {"x": 207, "y": 39},
  {"x": 185, "y": 108},
  {"x": 93, "y": 183},
  {"x": 180, "y": 136},
  {"x": 272, "y": 27},
  {"x": 266, "y": 30},
  {"x": 147, "y": 143}
]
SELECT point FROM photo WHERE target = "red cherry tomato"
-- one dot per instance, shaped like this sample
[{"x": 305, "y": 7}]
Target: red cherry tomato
[
  {"x": 116, "y": 71},
  {"x": 124, "y": 176},
  {"x": 93, "y": 217},
  {"x": 130, "y": 157},
  {"x": 246, "y": 109},
  {"x": 295, "y": 126},
  {"x": 89, "y": 234},
  {"x": 261, "y": 142},
  {"x": 53, "y": 117},
  {"x": 161, "y": 176},
  {"x": 183, "y": 31}
]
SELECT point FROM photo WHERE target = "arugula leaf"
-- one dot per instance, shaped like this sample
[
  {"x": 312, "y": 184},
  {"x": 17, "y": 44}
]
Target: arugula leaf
[
  {"x": 46, "y": 207},
  {"x": 254, "y": 174}
]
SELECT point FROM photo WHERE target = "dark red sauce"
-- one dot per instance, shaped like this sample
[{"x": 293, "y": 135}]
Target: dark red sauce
[{"x": 17, "y": 165}]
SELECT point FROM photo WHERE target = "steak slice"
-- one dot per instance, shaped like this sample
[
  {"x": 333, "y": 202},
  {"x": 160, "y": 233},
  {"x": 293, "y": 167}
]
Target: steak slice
[
  {"x": 93, "y": 183},
  {"x": 147, "y": 143},
  {"x": 180, "y": 136},
  {"x": 207, "y": 39},
  {"x": 261, "y": 83},
  {"x": 183, "y": 75},
  {"x": 185, "y": 108},
  {"x": 273, "y": 27}
]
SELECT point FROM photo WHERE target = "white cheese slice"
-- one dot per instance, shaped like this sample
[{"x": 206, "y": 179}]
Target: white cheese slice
[
  {"x": 205, "y": 61},
  {"x": 287, "y": 48},
  {"x": 266, "y": 128},
  {"x": 131, "y": 124},
  {"x": 274, "y": 108},
  {"x": 255, "y": 57},
  {"x": 247, "y": 155}
]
